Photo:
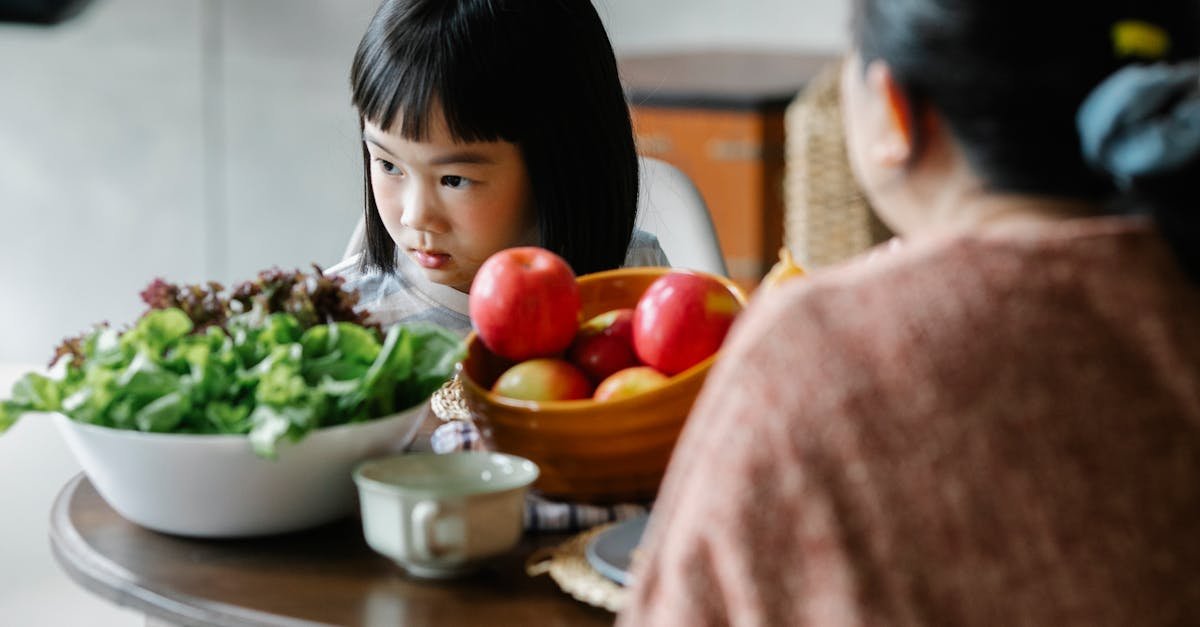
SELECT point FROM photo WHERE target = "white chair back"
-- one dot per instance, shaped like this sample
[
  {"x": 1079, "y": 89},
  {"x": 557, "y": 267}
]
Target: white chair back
[{"x": 670, "y": 207}]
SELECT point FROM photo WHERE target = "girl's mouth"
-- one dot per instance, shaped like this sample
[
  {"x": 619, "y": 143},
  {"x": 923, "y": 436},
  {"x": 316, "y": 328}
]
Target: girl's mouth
[{"x": 430, "y": 259}]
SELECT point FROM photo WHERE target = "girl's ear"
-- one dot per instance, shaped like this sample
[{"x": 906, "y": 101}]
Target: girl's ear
[{"x": 895, "y": 140}]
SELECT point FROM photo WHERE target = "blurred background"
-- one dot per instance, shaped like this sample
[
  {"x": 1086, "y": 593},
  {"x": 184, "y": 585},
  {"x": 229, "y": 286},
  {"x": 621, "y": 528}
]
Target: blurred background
[{"x": 207, "y": 139}]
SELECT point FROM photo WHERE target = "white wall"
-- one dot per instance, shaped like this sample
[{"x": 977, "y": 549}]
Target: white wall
[
  {"x": 184, "y": 138},
  {"x": 656, "y": 25}
]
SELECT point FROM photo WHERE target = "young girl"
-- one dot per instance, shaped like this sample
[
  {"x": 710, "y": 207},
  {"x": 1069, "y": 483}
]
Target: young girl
[{"x": 488, "y": 124}]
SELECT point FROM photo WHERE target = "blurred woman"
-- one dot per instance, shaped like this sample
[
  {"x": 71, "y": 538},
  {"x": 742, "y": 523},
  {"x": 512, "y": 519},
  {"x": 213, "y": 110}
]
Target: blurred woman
[{"x": 997, "y": 423}]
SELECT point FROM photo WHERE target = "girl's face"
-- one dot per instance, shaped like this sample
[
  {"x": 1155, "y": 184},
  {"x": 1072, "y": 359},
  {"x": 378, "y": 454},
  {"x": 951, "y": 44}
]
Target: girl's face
[{"x": 449, "y": 205}]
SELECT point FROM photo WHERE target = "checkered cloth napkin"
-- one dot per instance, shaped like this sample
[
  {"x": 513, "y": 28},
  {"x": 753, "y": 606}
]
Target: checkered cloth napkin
[{"x": 458, "y": 433}]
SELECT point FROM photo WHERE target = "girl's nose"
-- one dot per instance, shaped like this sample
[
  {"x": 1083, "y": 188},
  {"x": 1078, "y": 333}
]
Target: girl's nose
[{"x": 420, "y": 210}]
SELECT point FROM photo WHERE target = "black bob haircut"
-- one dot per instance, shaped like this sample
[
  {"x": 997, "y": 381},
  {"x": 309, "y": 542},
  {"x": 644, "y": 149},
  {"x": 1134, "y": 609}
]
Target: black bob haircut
[
  {"x": 540, "y": 74},
  {"x": 1008, "y": 76}
]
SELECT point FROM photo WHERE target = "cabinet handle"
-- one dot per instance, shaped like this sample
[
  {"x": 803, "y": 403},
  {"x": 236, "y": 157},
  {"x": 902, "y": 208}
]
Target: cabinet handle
[
  {"x": 734, "y": 150},
  {"x": 745, "y": 267},
  {"x": 654, "y": 144}
]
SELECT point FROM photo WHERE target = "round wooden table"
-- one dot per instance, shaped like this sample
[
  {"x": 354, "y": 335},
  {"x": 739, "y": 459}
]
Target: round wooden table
[{"x": 325, "y": 576}]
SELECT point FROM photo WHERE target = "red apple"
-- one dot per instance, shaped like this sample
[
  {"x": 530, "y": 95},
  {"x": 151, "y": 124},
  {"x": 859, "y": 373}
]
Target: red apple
[
  {"x": 524, "y": 303},
  {"x": 681, "y": 319},
  {"x": 629, "y": 382},
  {"x": 618, "y": 322},
  {"x": 543, "y": 380},
  {"x": 604, "y": 344}
]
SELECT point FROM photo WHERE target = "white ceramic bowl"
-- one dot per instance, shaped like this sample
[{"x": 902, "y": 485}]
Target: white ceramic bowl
[{"x": 215, "y": 486}]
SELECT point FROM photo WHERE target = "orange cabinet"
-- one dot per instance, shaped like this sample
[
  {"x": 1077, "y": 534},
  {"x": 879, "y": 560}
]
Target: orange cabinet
[{"x": 719, "y": 117}]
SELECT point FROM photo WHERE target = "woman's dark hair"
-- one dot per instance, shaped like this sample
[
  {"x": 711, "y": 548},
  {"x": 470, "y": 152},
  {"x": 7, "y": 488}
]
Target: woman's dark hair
[
  {"x": 1007, "y": 77},
  {"x": 538, "y": 73}
]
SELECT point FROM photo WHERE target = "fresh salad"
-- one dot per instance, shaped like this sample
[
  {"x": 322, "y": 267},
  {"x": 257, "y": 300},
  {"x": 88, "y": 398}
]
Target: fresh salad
[{"x": 273, "y": 358}]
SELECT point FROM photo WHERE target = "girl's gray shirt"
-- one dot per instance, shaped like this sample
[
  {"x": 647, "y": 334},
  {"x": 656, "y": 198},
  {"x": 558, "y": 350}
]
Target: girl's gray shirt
[{"x": 407, "y": 296}]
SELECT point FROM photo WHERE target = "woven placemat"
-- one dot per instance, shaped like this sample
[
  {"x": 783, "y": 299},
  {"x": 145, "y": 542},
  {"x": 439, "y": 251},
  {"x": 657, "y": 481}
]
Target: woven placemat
[{"x": 567, "y": 565}]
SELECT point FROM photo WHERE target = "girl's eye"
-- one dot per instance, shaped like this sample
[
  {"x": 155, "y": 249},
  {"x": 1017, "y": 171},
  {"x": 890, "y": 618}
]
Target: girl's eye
[
  {"x": 387, "y": 166},
  {"x": 454, "y": 181}
]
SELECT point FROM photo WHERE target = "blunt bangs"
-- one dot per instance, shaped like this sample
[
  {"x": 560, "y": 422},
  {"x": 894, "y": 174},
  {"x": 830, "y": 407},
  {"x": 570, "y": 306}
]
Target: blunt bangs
[{"x": 414, "y": 65}]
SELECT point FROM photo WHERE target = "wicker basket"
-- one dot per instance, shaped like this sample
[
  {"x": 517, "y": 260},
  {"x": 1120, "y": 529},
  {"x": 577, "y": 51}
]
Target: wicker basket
[{"x": 827, "y": 218}]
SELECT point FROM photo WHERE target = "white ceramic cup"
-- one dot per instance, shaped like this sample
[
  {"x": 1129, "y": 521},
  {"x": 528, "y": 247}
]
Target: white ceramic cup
[{"x": 440, "y": 516}]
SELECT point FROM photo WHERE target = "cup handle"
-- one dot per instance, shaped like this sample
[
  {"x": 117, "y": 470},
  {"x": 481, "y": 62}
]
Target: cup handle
[{"x": 425, "y": 516}]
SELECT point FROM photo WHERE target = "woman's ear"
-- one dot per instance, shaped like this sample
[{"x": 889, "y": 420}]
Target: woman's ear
[{"x": 895, "y": 137}]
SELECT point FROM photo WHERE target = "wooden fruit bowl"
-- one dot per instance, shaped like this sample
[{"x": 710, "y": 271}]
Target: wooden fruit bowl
[{"x": 588, "y": 451}]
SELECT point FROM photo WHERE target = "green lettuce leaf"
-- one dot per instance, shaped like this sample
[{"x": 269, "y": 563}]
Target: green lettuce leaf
[{"x": 278, "y": 359}]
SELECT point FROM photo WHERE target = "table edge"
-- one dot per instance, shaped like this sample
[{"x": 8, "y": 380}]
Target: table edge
[{"x": 97, "y": 574}]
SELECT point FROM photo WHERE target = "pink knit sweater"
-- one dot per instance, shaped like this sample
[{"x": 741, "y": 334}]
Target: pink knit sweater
[{"x": 972, "y": 430}]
